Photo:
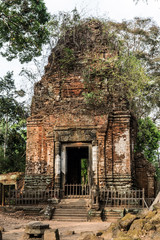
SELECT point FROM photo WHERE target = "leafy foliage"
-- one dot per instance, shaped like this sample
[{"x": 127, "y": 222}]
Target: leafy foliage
[
  {"x": 12, "y": 126},
  {"x": 67, "y": 62},
  {"x": 148, "y": 138},
  {"x": 22, "y": 28},
  {"x": 141, "y": 38},
  {"x": 119, "y": 59},
  {"x": 122, "y": 58},
  {"x": 16, "y": 148},
  {"x": 122, "y": 76},
  {"x": 8, "y": 94}
]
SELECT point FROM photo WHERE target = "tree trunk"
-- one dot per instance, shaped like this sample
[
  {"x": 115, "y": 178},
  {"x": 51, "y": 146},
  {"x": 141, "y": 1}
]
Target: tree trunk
[{"x": 5, "y": 136}]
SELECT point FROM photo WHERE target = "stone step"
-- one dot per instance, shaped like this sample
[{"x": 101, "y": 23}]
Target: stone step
[
  {"x": 70, "y": 219},
  {"x": 111, "y": 217},
  {"x": 73, "y": 214},
  {"x": 70, "y": 211},
  {"x": 112, "y": 214},
  {"x": 75, "y": 202},
  {"x": 31, "y": 213},
  {"x": 71, "y": 206}
]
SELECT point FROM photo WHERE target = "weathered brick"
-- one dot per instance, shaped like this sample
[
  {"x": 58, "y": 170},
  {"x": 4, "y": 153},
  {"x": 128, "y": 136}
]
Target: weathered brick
[{"x": 60, "y": 118}]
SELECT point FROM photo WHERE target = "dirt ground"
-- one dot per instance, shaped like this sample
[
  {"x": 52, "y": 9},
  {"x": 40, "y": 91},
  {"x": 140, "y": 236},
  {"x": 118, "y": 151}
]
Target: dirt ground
[{"x": 14, "y": 225}]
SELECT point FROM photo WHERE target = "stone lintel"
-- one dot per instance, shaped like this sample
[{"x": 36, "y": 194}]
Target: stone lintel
[{"x": 82, "y": 127}]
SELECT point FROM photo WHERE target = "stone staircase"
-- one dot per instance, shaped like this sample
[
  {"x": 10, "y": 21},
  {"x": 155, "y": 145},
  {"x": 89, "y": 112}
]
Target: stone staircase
[
  {"x": 75, "y": 210},
  {"x": 28, "y": 210},
  {"x": 112, "y": 214}
]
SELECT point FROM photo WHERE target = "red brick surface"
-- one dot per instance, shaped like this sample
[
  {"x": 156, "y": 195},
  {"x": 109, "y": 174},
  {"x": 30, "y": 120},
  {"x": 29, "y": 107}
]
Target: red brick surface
[{"x": 60, "y": 115}]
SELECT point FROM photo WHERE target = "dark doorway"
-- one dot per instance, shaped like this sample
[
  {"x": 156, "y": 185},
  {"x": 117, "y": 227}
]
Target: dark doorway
[{"x": 77, "y": 165}]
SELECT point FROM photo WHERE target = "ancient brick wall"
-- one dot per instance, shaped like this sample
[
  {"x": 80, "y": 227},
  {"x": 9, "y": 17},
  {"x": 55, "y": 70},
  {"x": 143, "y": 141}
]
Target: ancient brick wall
[
  {"x": 62, "y": 117},
  {"x": 118, "y": 157},
  {"x": 109, "y": 134},
  {"x": 145, "y": 175}
]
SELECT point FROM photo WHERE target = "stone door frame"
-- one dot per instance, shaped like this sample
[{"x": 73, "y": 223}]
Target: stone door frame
[
  {"x": 75, "y": 137},
  {"x": 64, "y": 147}
]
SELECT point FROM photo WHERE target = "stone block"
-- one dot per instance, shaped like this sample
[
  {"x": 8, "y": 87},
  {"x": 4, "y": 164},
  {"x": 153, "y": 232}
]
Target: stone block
[
  {"x": 127, "y": 220},
  {"x": 35, "y": 230},
  {"x": 51, "y": 234}
]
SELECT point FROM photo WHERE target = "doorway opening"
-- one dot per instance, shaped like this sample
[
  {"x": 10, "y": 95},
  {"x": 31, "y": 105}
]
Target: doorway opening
[{"x": 77, "y": 165}]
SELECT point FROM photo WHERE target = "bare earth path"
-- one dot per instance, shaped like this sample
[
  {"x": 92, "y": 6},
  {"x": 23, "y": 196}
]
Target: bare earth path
[{"x": 14, "y": 225}]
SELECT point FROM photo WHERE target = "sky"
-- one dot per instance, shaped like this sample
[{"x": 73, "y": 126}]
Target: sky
[{"x": 113, "y": 9}]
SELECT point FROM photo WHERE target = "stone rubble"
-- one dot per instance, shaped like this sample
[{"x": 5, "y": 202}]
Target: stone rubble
[{"x": 40, "y": 231}]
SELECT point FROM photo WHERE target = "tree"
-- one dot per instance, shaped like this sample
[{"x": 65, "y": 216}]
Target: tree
[
  {"x": 134, "y": 70},
  {"x": 57, "y": 25},
  {"x": 107, "y": 69},
  {"x": 141, "y": 38},
  {"x": 22, "y": 28},
  {"x": 12, "y": 115},
  {"x": 14, "y": 159},
  {"x": 148, "y": 138}
]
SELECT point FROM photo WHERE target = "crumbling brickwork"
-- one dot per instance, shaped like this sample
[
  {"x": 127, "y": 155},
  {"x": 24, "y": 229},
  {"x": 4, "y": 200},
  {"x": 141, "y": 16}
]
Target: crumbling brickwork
[
  {"x": 145, "y": 175},
  {"x": 58, "y": 120},
  {"x": 62, "y": 118}
]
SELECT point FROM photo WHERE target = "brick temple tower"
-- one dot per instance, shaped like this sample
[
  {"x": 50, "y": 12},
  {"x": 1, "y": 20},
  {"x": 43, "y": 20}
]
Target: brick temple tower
[{"x": 64, "y": 128}]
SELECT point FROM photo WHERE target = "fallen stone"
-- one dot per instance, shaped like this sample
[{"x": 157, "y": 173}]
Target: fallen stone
[
  {"x": 142, "y": 214},
  {"x": 157, "y": 227},
  {"x": 123, "y": 236},
  {"x": 136, "y": 227},
  {"x": 137, "y": 224},
  {"x": 149, "y": 226},
  {"x": 37, "y": 225},
  {"x": 143, "y": 226},
  {"x": 155, "y": 219},
  {"x": 126, "y": 221},
  {"x": 51, "y": 234},
  {"x": 156, "y": 236},
  {"x": 36, "y": 228},
  {"x": 149, "y": 215},
  {"x": 135, "y": 234},
  {"x": 111, "y": 232},
  {"x": 156, "y": 206}
]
